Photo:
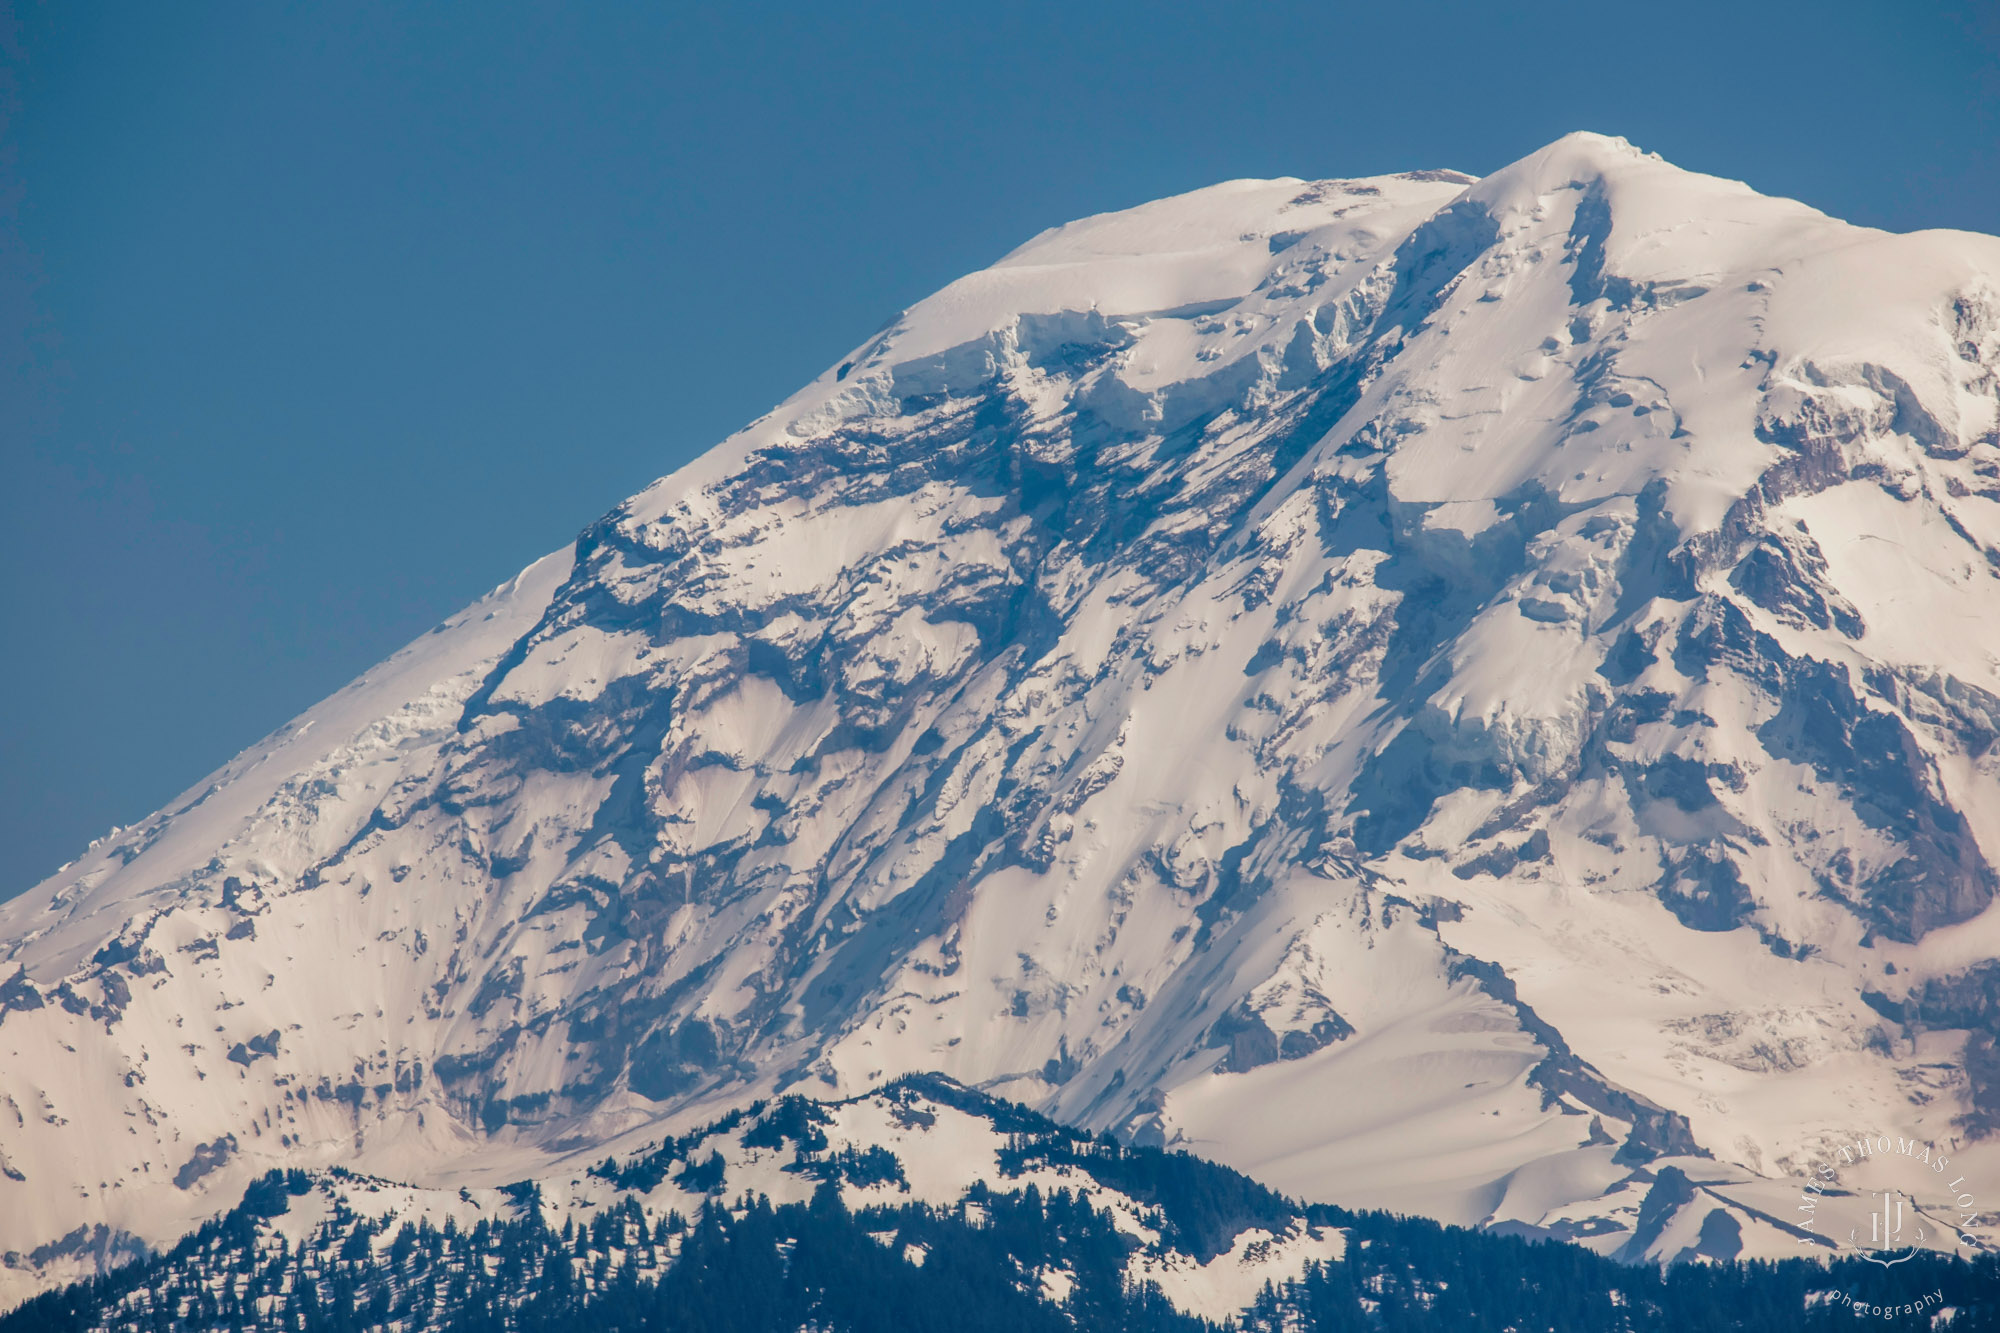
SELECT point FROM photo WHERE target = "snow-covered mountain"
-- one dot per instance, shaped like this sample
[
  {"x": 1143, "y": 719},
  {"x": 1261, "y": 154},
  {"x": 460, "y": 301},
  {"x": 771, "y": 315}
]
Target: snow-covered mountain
[{"x": 1444, "y": 695}]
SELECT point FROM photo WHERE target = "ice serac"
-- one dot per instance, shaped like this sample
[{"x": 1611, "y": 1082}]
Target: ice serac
[{"x": 1450, "y": 695}]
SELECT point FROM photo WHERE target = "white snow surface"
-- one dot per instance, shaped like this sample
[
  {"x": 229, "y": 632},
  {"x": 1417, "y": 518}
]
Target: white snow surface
[{"x": 1441, "y": 694}]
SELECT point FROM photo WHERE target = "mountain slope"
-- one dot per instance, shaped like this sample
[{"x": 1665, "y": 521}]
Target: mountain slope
[
  {"x": 1438, "y": 693},
  {"x": 923, "y": 1205}
]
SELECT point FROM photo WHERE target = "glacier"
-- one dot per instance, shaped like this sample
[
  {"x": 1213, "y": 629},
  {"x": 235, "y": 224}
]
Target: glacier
[{"x": 1443, "y": 694}]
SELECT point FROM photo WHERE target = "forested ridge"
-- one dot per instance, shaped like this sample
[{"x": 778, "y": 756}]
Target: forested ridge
[{"x": 999, "y": 1259}]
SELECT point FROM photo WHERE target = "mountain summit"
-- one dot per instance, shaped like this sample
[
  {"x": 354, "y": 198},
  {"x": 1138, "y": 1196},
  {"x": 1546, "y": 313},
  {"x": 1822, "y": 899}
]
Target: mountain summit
[{"x": 1442, "y": 694}]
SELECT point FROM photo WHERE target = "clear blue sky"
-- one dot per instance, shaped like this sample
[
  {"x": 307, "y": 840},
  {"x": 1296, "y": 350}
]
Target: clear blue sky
[{"x": 318, "y": 321}]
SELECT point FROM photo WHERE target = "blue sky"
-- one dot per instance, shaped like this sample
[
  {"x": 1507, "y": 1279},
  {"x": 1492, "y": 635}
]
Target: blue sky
[{"x": 318, "y": 321}]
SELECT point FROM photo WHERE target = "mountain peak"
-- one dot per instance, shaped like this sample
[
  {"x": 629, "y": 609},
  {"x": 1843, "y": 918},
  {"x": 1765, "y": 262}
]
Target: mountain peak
[{"x": 1430, "y": 692}]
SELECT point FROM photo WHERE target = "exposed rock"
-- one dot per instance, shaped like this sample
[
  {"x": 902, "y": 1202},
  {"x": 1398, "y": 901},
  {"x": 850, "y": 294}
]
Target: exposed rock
[
  {"x": 1969, "y": 1000},
  {"x": 247, "y": 1053},
  {"x": 207, "y": 1158},
  {"x": 1656, "y": 1131},
  {"x": 1785, "y": 574},
  {"x": 17, "y": 992}
]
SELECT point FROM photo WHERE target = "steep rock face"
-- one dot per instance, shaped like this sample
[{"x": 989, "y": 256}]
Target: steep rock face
[{"x": 1441, "y": 694}]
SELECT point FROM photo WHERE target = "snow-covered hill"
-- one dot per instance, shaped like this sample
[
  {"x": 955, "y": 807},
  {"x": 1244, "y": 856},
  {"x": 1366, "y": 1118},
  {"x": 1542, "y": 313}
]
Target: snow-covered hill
[
  {"x": 911, "y": 1159},
  {"x": 924, "y": 1205},
  {"x": 1445, "y": 695}
]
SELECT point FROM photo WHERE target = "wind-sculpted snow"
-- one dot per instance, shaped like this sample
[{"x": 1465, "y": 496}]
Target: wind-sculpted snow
[{"x": 1445, "y": 695}]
